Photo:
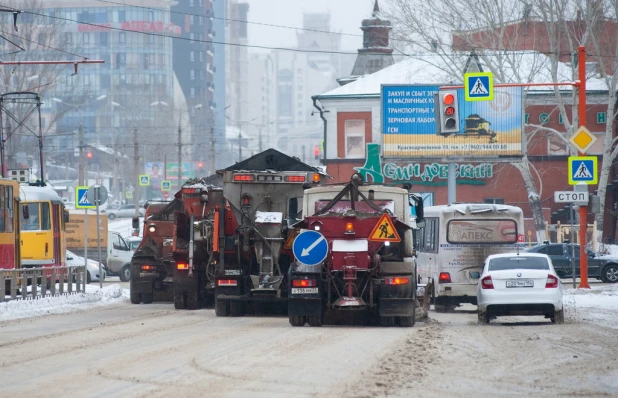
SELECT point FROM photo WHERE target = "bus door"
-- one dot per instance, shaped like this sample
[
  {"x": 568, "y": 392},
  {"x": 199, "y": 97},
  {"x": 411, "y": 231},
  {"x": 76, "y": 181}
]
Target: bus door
[{"x": 56, "y": 213}]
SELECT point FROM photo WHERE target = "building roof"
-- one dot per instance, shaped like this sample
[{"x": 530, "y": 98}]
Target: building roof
[{"x": 427, "y": 71}]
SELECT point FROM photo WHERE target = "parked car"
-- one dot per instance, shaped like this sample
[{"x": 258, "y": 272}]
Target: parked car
[
  {"x": 601, "y": 267},
  {"x": 124, "y": 211},
  {"x": 74, "y": 260},
  {"x": 519, "y": 284}
]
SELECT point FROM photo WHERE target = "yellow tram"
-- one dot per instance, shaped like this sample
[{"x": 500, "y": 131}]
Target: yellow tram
[
  {"x": 43, "y": 219},
  {"x": 9, "y": 224}
]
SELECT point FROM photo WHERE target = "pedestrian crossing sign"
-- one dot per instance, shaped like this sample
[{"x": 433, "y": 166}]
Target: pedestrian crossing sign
[
  {"x": 583, "y": 169},
  {"x": 384, "y": 231},
  {"x": 128, "y": 194},
  {"x": 144, "y": 180},
  {"x": 166, "y": 185},
  {"x": 479, "y": 86},
  {"x": 81, "y": 198}
]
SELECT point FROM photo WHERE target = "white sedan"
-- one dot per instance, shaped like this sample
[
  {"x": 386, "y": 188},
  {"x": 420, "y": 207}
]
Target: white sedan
[
  {"x": 519, "y": 284},
  {"x": 73, "y": 260}
]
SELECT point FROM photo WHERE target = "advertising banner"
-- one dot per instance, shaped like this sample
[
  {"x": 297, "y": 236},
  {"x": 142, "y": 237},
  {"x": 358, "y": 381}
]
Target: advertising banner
[{"x": 489, "y": 130}]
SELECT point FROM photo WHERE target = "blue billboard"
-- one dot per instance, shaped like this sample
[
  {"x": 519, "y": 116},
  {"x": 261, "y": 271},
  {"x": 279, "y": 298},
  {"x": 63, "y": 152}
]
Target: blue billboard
[{"x": 488, "y": 129}]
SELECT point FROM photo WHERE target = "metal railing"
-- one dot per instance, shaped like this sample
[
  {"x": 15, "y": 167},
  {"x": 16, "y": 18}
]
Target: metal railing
[{"x": 41, "y": 282}]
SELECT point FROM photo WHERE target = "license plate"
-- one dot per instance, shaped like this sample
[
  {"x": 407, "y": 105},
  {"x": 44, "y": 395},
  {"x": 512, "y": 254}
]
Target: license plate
[
  {"x": 523, "y": 283},
  {"x": 420, "y": 291},
  {"x": 235, "y": 272},
  {"x": 304, "y": 290}
]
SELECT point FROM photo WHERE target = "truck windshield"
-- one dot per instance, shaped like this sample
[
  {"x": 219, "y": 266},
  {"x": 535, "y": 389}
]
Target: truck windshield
[
  {"x": 361, "y": 206},
  {"x": 519, "y": 262}
]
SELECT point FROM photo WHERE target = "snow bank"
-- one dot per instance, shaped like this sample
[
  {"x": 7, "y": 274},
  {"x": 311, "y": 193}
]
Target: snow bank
[
  {"x": 598, "y": 305},
  {"x": 94, "y": 297}
]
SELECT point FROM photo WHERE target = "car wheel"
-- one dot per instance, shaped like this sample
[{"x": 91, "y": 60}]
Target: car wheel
[
  {"x": 125, "y": 274},
  {"x": 387, "y": 321},
  {"x": 135, "y": 298},
  {"x": 88, "y": 278},
  {"x": 221, "y": 308},
  {"x": 610, "y": 274},
  {"x": 483, "y": 318},
  {"x": 111, "y": 216},
  {"x": 558, "y": 317},
  {"x": 148, "y": 297}
]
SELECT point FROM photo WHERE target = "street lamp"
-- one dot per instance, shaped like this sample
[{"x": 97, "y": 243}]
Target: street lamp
[
  {"x": 80, "y": 172},
  {"x": 239, "y": 123}
]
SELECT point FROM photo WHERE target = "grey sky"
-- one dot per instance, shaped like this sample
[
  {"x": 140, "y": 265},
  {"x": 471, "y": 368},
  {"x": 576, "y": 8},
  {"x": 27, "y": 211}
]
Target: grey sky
[{"x": 346, "y": 16}]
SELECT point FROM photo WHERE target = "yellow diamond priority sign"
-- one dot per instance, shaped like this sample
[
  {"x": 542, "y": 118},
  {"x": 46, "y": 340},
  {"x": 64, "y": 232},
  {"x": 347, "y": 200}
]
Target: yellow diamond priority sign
[{"x": 582, "y": 139}]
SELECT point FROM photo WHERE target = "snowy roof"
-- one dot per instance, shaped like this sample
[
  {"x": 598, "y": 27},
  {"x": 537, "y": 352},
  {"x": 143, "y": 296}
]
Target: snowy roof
[{"x": 524, "y": 66}]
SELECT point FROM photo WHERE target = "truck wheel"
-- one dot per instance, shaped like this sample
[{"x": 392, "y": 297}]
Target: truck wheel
[
  {"x": 179, "y": 301},
  {"x": 315, "y": 321},
  {"x": 297, "y": 320},
  {"x": 221, "y": 308},
  {"x": 125, "y": 273},
  {"x": 135, "y": 298},
  {"x": 193, "y": 301},
  {"x": 237, "y": 308},
  {"x": 387, "y": 321},
  {"x": 147, "y": 298},
  {"x": 407, "y": 321}
]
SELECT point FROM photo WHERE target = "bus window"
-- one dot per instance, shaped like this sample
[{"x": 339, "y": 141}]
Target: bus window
[
  {"x": 9, "y": 209},
  {"x": 32, "y": 222},
  {"x": 45, "y": 217},
  {"x": 431, "y": 229},
  {"x": 3, "y": 207}
]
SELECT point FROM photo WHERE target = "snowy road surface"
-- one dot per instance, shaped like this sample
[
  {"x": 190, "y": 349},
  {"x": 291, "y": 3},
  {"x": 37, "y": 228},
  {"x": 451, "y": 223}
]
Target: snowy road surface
[{"x": 152, "y": 350}]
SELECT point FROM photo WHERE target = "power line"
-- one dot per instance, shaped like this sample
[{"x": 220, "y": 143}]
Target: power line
[
  {"x": 44, "y": 45},
  {"x": 232, "y": 20},
  {"x": 194, "y": 40}
]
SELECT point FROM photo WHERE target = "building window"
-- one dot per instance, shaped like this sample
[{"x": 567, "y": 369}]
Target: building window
[
  {"x": 527, "y": 118},
  {"x": 86, "y": 38},
  {"x": 192, "y": 56},
  {"x": 191, "y": 3},
  {"x": 543, "y": 118},
  {"x": 68, "y": 38},
  {"x": 201, "y": 56},
  {"x": 122, "y": 37},
  {"x": 192, "y": 74},
  {"x": 191, "y": 37},
  {"x": 151, "y": 39},
  {"x": 202, "y": 74},
  {"x": 354, "y": 138},
  {"x": 191, "y": 20},
  {"x": 494, "y": 201},
  {"x": 601, "y": 117},
  {"x": 192, "y": 95},
  {"x": 103, "y": 39}
]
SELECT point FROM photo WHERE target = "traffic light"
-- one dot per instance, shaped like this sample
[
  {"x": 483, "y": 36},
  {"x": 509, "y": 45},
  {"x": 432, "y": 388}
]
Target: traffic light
[
  {"x": 89, "y": 154},
  {"x": 200, "y": 165},
  {"x": 447, "y": 115},
  {"x": 316, "y": 152}
]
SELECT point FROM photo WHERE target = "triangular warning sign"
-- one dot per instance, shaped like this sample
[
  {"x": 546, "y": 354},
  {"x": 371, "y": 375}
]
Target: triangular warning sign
[
  {"x": 290, "y": 241},
  {"x": 478, "y": 88},
  {"x": 582, "y": 171},
  {"x": 384, "y": 231}
]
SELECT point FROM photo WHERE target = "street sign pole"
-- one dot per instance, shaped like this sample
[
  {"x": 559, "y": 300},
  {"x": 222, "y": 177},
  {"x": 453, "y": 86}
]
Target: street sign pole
[
  {"x": 97, "y": 201},
  {"x": 583, "y": 210},
  {"x": 85, "y": 248}
]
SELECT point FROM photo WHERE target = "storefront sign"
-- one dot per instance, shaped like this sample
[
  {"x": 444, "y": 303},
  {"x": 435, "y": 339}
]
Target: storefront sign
[{"x": 375, "y": 171}]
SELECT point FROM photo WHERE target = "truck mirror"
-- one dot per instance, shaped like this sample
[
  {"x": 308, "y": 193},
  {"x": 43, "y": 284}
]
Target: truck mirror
[
  {"x": 66, "y": 216},
  {"x": 135, "y": 222}
]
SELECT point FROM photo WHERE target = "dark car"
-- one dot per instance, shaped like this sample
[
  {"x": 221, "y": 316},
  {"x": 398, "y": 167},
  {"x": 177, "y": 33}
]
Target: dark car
[{"x": 599, "y": 266}]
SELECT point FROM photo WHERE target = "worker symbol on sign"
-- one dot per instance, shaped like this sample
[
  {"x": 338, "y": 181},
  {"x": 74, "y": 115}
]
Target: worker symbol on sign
[{"x": 384, "y": 231}]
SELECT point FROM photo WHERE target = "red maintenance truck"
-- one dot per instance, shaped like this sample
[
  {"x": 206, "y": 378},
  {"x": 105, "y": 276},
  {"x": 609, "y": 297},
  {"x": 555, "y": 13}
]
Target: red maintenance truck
[
  {"x": 354, "y": 257},
  {"x": 152, "y": 263}
]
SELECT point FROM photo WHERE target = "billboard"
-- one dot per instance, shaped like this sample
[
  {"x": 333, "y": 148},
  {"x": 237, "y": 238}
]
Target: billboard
[{"x": 489, "y": 130}]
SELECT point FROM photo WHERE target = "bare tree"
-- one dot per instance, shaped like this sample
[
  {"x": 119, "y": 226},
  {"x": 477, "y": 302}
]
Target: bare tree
[{"x": 445, "y": 32}]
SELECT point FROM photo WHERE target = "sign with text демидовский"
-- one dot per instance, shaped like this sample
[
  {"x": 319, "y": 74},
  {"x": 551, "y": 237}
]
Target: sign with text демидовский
[{"x": 489, "y": 130}]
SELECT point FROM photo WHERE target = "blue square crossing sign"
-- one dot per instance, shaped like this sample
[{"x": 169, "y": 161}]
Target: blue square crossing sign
[
  {"x": 81, "y": 198},
  {"x": 479, "y": 86},
  {"x": 583, "y": 169}
]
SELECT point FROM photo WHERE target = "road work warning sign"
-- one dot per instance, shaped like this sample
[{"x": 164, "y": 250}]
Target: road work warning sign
[{"x": 384, "y": 231}]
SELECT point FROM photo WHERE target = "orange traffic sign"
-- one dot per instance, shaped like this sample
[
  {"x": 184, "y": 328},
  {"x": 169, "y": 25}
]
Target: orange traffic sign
[
  {"x": 384, "y": 231},
  {"x": 290, "y": 240}
]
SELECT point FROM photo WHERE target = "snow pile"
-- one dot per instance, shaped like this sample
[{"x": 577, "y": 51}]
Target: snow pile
[
  {"x": 94, "y": 297},
  {"x": 598, "y": 305}
]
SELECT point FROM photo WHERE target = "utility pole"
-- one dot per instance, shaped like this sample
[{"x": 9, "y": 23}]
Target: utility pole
[
  {"x": 179, "y": 155},
  {"x": 239, "y": 139},
  {"x": 212, "y": 149},
  {"x": 116, "y": 161},
  {"x": 136, "y": 197},
  {"x": 80, "y": 171}
]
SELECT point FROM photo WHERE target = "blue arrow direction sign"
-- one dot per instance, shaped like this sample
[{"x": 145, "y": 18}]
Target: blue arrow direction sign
[
  {"x": 310, "y": 247},
  {"x": 81, "y": 198}
]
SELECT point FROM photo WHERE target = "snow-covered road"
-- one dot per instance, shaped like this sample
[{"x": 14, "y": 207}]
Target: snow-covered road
[{"x": 109, "y": 347}]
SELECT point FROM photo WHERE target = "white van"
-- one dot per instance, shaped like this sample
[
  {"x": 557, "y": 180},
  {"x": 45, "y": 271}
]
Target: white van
[{"x": 119, "y": 256}]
